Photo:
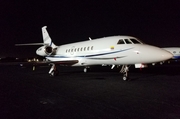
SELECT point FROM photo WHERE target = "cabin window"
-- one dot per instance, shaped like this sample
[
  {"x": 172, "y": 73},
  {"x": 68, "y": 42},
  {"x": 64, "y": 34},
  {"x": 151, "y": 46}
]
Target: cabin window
[
  {"x": 81, "y": 49},
  {"x": 75, "y": 50},
  {"x": 174, "y": 52},
  {"x": 127, "y": 41},
  {"x": 121, "y": 41},
  {"x": 69, "y": 50},
  {"x": 84, "y": 48},
  {"x": 88, "y": 48},
  {"x": 78, "y": 49},
  {"x": 91, "y": 47}
]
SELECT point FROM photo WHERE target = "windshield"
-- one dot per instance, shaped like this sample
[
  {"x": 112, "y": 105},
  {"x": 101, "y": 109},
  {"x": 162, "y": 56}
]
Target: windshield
[
  {"x": 121, "y": 41},
  {"x": 135, "y": 41},
  {"x": 130, "y": 41}
]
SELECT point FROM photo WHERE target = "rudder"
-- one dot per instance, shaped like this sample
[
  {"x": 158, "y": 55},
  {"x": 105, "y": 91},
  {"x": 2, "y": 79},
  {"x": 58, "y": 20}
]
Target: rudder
[{"x": 46, "y": 38}]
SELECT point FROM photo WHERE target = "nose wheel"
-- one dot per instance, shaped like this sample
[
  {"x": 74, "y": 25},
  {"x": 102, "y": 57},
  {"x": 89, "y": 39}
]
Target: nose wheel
[{"x": 125, "y": 77}]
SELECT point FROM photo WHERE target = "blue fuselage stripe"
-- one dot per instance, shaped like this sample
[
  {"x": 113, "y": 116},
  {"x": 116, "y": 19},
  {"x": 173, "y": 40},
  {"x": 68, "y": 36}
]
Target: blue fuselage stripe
[{"x": 100, "y": 54}]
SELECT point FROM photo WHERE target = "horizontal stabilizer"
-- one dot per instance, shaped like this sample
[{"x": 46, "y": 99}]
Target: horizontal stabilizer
[{"x": 31, "y": 44}]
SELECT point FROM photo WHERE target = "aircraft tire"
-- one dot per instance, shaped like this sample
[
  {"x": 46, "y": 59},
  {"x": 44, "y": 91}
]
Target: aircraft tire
[
  {"x": 54, "y": 73},
  {"x": 125, "y": 78},
  {"x": 86, "y": 70}
]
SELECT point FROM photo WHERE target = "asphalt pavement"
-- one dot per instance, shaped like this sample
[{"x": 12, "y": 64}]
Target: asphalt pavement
[{"x": 99, "y": 94}]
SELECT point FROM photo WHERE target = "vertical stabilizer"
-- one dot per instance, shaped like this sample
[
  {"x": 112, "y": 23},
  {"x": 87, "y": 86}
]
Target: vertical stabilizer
[{"x": 46, "y": 38}]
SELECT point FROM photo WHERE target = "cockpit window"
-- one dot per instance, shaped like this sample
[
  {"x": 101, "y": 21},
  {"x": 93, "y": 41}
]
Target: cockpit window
[
  {"x": 136, "y": 41},
  {"x": 130, "y": 41},
  {"x": 121, "y": 41},
  {"x": 127, "y": 41}
]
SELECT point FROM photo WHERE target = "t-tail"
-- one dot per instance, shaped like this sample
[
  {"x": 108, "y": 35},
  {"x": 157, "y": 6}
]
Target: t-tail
[{"x": 48, "y": 48}]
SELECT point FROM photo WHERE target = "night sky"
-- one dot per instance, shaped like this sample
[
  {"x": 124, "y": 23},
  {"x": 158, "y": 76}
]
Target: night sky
[{"x": 154, "y": 22}]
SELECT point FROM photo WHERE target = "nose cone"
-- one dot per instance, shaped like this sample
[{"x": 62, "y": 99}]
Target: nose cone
[
  {"x": 166, "y": 55},
  {"x": 151, "y": 54}
]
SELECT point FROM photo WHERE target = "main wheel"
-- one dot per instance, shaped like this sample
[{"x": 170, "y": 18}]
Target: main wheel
[{"x": 54, "y": 73}]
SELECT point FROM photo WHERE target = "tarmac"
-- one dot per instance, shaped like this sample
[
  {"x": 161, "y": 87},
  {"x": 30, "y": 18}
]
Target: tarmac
[{"x": 152, "y": 93}]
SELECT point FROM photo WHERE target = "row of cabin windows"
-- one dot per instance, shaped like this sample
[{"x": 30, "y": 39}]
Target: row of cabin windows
[{"x": 79, "y": 49}]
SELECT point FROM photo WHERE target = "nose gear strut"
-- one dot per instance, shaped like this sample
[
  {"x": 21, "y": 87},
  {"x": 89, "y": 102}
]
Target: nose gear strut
[{"x": 124, "y": 70}]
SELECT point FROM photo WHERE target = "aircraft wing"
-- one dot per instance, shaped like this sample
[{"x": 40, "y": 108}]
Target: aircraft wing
[
  {"x": 62, "y": 63},
  {"x": 42, "y": 63}
]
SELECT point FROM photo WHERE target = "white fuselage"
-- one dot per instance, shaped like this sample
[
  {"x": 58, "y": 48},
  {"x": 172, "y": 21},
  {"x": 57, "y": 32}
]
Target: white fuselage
[{"x": 107, "y": 50}]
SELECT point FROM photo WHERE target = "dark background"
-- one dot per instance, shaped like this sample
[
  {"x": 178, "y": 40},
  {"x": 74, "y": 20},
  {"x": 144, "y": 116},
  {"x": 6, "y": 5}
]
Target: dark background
[{"x": 154, "y": 22}]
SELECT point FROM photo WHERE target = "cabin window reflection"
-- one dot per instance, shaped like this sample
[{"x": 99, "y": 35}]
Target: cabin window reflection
[{"x": 121, "y": 41}]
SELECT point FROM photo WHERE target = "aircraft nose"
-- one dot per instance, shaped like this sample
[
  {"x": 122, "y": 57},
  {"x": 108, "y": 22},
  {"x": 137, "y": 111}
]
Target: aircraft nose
[
  {"x": 166, "y": 55},
  {"x": 160, "y": 54},
  {"x": 150, "y": 54}
]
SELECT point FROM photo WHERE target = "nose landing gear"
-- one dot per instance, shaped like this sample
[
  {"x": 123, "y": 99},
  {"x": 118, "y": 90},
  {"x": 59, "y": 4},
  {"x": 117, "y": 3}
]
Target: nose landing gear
[{"x": 125, "y": 70}]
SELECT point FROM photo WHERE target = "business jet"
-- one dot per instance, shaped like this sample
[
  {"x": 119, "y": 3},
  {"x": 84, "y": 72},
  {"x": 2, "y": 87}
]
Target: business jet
[{"x": 113, "y": 50}]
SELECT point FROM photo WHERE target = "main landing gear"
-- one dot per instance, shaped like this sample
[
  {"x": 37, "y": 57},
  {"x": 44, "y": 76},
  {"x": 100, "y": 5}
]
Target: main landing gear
[
  {"x": 53, "y": 71},
  {"x": 125, "y": 70}
]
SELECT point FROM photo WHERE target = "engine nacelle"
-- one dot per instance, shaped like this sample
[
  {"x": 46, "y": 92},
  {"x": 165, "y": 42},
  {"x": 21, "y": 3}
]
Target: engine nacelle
[{"x": 45, "y": 51}]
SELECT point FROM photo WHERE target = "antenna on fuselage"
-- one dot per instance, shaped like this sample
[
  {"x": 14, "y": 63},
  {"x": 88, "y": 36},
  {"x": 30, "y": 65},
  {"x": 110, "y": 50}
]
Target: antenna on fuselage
[{"x": 90, "y": 38}]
